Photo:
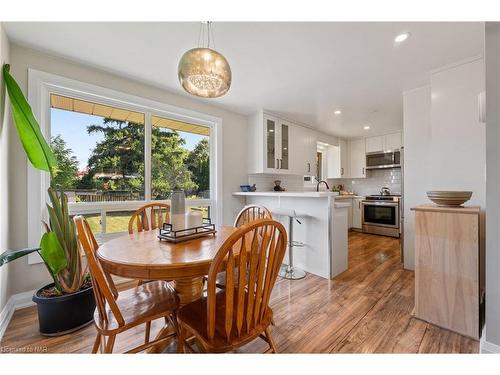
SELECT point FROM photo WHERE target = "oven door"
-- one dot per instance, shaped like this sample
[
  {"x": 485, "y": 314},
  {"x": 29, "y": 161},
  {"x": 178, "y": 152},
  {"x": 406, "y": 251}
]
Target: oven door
[{"x": 384, "y": 214}]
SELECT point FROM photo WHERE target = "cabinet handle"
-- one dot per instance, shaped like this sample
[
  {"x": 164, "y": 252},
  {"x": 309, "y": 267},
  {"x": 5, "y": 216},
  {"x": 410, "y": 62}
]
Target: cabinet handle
[
  {"x": 359, "y": 204},
  {"x": 341, "y": 171},
  {"x": 363, "y": 171},
  {"x": 281, "y": 163},
  {"x": 309, "y": 167},
  {"x": 277, "y": 163}
]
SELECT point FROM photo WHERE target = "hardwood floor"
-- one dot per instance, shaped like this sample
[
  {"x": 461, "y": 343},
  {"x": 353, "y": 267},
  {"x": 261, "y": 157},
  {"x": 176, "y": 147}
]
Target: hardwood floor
[{"x": 366, "y": 309}]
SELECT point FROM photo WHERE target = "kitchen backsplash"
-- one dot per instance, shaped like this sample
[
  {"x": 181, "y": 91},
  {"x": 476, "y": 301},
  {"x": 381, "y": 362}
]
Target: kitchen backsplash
[
  {"x": 265, "y": 182},
  {"x": 374, "y": 181}
]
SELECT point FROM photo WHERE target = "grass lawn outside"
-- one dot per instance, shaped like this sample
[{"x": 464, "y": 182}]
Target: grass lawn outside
[{"x": 117, "y": 222}]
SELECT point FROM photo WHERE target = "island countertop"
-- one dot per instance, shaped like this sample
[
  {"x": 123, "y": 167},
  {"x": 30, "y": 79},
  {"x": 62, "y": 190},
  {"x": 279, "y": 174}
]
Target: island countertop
[
  {"x": 289, "y": 194},
  {"x": 296, "y": 194}
]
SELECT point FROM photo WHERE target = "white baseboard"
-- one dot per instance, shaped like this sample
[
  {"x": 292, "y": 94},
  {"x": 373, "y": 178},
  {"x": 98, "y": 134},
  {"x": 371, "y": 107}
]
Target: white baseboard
[
  {"x": 15, "y": 302},
  {"x": 488, "y": 347}
]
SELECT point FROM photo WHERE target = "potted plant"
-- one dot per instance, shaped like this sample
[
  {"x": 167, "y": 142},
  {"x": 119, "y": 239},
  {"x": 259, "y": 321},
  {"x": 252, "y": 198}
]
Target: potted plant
[{"x": 68, "y": 303}]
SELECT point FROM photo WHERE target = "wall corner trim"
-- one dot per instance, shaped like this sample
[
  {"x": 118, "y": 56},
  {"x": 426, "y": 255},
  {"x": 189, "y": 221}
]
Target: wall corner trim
[
  {"x": 486, "y": 347},
  {"x": 15, "y": 302}
]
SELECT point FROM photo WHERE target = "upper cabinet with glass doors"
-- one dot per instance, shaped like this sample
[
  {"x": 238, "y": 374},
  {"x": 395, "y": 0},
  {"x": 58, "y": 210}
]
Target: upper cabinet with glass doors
[
  {"x": 269, "y": 147},
  {"x": 278, "y": 146}
]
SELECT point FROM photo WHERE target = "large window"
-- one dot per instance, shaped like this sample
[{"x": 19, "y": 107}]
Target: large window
[
  {"x": 102, "y": 156},
  {"x": 99, "y": 150},
  {"x": 180, "y": 158}
]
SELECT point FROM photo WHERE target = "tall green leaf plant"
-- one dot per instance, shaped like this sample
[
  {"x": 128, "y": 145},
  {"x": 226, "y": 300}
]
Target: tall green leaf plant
[{"x": 59, "y": 247}]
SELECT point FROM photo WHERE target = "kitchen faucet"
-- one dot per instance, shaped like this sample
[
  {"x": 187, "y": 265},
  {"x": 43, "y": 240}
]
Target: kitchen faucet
[{"x": 322, "y": 181}]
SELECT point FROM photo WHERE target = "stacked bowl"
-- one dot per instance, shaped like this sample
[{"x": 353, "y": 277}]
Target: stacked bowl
[{"x": 449, "y": 198}]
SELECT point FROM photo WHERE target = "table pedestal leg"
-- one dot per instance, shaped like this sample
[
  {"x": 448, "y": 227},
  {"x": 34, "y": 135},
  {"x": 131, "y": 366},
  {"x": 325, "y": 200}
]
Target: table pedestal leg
[{"x": 189, "y": 289}]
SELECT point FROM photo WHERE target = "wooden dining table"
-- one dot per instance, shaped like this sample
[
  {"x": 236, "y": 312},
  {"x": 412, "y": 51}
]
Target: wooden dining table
[{"x": 143, "y": 256}]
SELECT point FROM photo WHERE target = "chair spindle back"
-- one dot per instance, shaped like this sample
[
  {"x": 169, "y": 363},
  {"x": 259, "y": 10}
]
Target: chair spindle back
[
  {"x": 256, "y": 251},
  {"x": 150, "y": 216},
  {"x": 251, "y": 213}
]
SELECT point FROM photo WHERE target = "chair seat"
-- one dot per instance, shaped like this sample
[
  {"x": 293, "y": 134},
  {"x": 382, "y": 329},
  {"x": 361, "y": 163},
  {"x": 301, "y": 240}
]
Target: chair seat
[
  {"x": 145, "y": 302},
  {"x": 194, "y": 317}
]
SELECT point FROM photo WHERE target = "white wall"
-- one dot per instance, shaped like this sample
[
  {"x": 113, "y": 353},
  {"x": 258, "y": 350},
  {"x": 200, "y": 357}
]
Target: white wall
[
  {"x": 453, "y": 148},
  {"x": 4, "y": 152},
  {"x": 417, "y": 161},
  {"x": 25, "y": 277},
  {"x": 492, "y": 330},
  {"x": 458, "y": 148}
]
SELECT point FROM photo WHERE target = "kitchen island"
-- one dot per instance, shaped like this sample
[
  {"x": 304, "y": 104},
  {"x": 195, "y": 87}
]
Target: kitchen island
[{"x": 323, "y": 230}]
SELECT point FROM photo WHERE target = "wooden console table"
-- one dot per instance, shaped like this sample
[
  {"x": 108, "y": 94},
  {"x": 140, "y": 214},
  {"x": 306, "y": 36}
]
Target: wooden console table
[{"x": 447, "y": 264}]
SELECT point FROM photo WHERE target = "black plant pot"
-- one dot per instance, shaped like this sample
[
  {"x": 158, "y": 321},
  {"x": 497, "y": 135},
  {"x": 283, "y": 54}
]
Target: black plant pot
[{"x": 63, "y": 314}]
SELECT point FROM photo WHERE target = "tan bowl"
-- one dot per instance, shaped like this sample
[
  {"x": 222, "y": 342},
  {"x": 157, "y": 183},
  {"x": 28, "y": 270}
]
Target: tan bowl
[{"x": 449, "y": 198}]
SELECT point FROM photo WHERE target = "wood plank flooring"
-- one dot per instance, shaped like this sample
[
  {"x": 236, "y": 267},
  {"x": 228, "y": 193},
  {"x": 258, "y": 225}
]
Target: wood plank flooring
[{"x": 366, "y": 309}]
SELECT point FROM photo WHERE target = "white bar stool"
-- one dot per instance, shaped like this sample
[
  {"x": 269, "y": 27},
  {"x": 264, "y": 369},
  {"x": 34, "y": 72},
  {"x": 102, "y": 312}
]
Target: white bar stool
[{"x": 288, "y": 271}]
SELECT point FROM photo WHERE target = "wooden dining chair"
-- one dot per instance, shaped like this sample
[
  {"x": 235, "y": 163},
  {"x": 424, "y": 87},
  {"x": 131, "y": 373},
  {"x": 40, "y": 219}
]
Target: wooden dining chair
[
  {"x": 225, "y": 320},
  {"x": 247, "y": 215},
  {"x": 148, "y": 217},
  {"x": 251, "y": 213},
  {"x": 119, "y": 312}
]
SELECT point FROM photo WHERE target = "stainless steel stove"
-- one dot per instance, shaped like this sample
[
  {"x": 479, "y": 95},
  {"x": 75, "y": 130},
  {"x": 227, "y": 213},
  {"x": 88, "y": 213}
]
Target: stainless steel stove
[{"x": 380, "y": 214}]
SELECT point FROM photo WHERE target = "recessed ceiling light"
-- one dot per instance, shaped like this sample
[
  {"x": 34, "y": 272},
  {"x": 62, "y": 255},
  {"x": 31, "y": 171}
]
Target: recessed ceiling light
[
  {"x": 402, "y": 37},
  {"x": 337, "y": 112},
  {"x": 366, "y": 127}
]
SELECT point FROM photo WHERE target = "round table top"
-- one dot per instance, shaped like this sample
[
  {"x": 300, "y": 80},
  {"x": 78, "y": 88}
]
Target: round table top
[{"x": 143, "y": 256}]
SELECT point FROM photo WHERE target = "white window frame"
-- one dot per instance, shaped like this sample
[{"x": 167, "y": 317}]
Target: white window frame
[{"x": 41, "y": 85}]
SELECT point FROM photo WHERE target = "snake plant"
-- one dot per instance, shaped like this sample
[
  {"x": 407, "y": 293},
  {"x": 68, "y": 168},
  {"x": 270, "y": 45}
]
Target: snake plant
[{"x": 59, "y": 247}]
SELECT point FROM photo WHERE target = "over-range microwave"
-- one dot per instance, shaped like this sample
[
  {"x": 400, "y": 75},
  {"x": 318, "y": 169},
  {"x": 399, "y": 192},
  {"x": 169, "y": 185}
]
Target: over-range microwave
[{"x": 380, "y": 160}]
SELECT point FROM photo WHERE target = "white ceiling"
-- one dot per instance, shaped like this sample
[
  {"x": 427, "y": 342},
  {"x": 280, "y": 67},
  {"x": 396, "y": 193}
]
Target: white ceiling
[{"x": 303, "y": 71}]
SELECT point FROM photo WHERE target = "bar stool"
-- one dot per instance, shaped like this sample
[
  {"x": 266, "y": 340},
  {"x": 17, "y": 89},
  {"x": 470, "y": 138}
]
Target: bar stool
[{"x": 288, "y": 271}]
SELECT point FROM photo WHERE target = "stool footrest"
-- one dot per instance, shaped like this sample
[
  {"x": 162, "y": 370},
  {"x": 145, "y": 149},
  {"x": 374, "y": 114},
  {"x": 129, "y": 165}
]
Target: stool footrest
[
  {"x": 296, "y": 244},
  {"x": 291, "y": 273}
]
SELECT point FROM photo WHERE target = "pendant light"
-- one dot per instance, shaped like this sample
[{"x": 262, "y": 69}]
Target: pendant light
[{"x": 203, "y": 71}]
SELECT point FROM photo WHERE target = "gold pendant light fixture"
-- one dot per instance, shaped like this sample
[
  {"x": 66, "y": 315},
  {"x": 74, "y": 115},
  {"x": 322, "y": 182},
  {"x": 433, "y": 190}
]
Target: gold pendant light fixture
[{"x": 203, "y": 71}]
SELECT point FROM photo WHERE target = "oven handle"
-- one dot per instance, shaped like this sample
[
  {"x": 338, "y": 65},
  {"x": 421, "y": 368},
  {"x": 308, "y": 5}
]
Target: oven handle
[{"x": 376, "y": 203}]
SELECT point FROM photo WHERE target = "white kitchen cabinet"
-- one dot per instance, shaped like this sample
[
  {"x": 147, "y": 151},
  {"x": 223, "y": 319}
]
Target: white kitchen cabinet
[
  {"x": 344, "y": 159},
  {"x": 270, "y": 144},
  {"x": 349, "y": 200},
  {"x": 357, "y": 158},
  {"x": 356, "y": 212},
  {"x": 311, "y": 151},
  {"x": 333, "y": 162},
  {"x": 374, "y": 144},
  {"x": 303, "y": 144},
  {"x": 283, "y": 146},
  {"x": 383, "y": 143},
  {"x": 393, "y": 141}
]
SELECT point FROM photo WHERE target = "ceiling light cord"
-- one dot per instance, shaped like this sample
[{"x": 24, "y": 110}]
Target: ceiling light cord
[
  {"x": 200, "y": 31},
  {"x": 208, "y": 34},
  {"x": 209, "y": 37},
  {"x": 211, "y": 28}
]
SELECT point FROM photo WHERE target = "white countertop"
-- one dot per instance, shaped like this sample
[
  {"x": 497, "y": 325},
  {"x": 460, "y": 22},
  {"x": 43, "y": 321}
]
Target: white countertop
[
  {"x": 349, "y": 196},
  {"x": 291, "y": 194},
  {"x": 298, "y": 194}
]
